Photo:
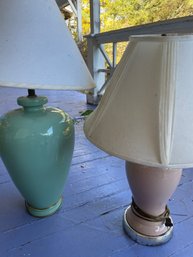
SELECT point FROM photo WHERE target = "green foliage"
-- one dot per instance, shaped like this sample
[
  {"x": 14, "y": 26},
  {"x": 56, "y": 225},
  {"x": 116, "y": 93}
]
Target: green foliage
[
  {"x": 86, "y": 113},
  {"x": 164, "y": 9},
  {"x": 116, "y": 14},
  {"x": 124, "y": 13}
]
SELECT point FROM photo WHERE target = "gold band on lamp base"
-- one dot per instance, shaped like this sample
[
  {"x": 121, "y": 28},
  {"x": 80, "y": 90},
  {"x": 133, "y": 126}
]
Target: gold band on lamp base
[{"x": 147, "y": 219}]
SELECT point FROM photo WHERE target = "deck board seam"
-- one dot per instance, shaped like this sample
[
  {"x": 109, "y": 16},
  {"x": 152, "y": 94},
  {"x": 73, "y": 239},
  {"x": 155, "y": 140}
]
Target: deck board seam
[{"x": 95, "y": 159}]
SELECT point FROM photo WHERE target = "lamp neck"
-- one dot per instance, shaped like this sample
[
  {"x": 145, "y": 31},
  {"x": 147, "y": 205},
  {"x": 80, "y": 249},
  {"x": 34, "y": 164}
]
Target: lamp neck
[{"x": 32, "y": 103}]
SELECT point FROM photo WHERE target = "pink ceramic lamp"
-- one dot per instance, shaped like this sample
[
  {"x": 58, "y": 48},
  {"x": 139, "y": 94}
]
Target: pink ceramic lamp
[{"x": 145, "y": 117}]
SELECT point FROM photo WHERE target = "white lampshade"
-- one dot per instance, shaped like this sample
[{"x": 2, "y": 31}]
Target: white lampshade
[
  {"x": 146, "y": 113},
  {"x": 37, "y": 49}
]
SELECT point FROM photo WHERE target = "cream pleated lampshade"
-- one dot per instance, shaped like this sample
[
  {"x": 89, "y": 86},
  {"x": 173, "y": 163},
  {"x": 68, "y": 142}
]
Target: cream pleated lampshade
[
  {"x": 37, "y": 49},
  {"x": 146, "y": 113}
]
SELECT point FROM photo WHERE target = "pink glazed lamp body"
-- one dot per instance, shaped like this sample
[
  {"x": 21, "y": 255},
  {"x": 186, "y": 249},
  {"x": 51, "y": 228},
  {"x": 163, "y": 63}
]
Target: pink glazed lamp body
[{"x": 151, "y": 188}]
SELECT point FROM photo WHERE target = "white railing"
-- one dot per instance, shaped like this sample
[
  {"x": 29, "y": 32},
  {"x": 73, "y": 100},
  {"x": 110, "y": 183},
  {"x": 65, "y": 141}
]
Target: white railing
[{"x": 98, "y": 58}]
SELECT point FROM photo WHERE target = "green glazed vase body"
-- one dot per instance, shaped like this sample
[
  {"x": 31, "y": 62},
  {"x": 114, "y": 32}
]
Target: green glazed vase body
[{"x": 36, "y": 146}]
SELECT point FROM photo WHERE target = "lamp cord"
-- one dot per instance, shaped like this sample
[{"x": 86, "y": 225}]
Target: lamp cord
[{"x": 165, "y": 216}]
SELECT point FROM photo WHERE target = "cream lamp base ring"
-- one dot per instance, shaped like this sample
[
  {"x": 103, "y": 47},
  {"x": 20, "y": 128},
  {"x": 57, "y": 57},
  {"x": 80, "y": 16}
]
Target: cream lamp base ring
[
  {"x": 44, "y": 212},
  {"x": 145, "y": 239}
]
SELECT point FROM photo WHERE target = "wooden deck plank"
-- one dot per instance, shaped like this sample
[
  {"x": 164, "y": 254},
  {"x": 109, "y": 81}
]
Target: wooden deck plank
[{"x": 79, "y": 241}]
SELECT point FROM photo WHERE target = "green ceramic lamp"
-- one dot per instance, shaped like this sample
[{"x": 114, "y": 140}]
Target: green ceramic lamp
[{"x": 36, "y": 142}]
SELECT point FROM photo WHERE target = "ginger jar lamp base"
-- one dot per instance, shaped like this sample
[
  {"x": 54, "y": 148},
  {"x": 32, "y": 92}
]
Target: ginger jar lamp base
[{"x": 36, "y": 146}]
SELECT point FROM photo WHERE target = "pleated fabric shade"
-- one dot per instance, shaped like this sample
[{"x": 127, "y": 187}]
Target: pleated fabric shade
[
  {"x": 146, "y": 113},
  {"x": 37, "y": 49}
]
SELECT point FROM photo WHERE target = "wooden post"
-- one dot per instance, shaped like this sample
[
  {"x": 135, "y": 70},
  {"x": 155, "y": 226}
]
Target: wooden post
[
  {"x": 79, "y": 20},
  {"x": 95, "y": 59}
]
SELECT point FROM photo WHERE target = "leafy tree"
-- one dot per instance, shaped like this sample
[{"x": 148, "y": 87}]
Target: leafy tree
[{"x": 116, "y": 14}]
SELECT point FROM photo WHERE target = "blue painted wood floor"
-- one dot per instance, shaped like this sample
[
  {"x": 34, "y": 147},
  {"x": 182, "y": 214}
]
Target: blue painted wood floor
[{"x": 89, "y": 224}]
